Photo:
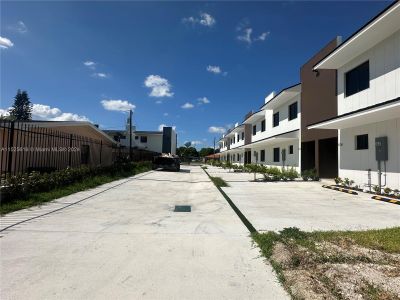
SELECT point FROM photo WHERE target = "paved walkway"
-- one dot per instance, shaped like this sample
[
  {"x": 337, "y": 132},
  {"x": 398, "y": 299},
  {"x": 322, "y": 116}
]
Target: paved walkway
[
  {"x": 306, "y": 205},
  {"x": 127, "y": 243}
]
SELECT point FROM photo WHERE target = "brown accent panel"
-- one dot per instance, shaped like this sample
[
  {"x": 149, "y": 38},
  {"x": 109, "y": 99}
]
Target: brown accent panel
[
  {"x": 318, "y": 95},
  {"x": 247, "y": 134},
  {"x": 318, "y": 103}
]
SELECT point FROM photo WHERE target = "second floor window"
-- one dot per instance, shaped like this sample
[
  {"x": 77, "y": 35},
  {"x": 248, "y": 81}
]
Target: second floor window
[
  {"x": 275, "y": 119},
  {"x": 254, "y": 129},
  {"x": 293, "y": 111},
  {"x": 243, "y": 136},
  {"x": 357, "y": 79},
  {"x": 143, "y": 139},
  {"x": 263, "y": 125},
  {"x": 291, "y": 149}
]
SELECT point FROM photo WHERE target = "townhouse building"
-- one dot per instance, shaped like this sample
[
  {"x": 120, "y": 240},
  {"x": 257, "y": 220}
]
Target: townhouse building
[
  {"x": 275, "y": 130},
  {"x": 269, "y": 136},
  {"x": 343, "y": 119},
  {"x": 277, "y": 134},
  {"x": 368, "y": 101}
]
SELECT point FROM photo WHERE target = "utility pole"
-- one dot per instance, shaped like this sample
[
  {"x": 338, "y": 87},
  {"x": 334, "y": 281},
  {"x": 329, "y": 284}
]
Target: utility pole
[{"x": 130, "y": 134}]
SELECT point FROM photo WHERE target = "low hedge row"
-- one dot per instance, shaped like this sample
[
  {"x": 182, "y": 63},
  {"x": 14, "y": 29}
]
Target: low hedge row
[
  {"x": 269, "y": 173},
  {"x": 21, "y": 185}
]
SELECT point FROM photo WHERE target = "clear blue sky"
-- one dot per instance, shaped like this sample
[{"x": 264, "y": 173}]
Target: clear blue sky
[{"x": 258, "y": 47}]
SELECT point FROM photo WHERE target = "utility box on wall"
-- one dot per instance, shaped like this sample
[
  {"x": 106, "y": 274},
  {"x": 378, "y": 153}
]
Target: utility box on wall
[{"x": 381, "y": 148}]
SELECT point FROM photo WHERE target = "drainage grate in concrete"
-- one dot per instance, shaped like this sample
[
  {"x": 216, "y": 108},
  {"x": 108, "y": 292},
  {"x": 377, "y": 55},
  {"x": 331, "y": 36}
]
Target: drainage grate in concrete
[{"x": 183, "y": 208}]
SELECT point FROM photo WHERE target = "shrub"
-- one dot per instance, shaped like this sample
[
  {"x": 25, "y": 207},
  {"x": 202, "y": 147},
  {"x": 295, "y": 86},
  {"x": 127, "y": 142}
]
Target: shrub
[
  {"x": 290, "y": 174},
  {"x": 273, "y": 173},
  {"x": 396, "y": 192},
  {"x": 305, "y": 175},
  {"x": 21, "y": 185},
  {"x": 376, "y": 189},
  {"x": 310, "y": 174},
  {"x": 346, "y": 182},
  {"x": 338, "y": 180},
  {"x": 387, "y": 190}
]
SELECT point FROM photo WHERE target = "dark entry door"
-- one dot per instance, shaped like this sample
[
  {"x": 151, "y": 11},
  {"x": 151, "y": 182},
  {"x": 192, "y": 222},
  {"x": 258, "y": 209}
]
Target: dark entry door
[
  {"x": 307, "y": 155},
  {"x": 247, "y": 157},
  {"x": 328, "y": 157}
]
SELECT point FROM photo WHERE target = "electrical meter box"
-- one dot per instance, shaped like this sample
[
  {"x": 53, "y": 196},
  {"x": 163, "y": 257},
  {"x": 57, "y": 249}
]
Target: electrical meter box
[{"x": 381, "y": 148}]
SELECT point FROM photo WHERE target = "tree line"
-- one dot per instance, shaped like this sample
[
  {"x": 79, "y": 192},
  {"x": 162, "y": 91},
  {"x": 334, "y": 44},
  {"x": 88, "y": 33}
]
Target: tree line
[{"x": 188, "y": 151}]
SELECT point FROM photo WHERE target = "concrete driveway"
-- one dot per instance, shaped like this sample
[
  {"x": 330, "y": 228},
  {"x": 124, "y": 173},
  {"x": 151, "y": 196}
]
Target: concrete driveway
[
  {"x": 306, "y": 205},
  {"x": 126, "y": 242}
]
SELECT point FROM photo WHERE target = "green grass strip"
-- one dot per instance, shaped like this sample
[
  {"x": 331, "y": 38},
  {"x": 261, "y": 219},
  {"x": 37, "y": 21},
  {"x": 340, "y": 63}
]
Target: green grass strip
[
  {"x": 43, "y": 197},
  {"x": 242, "y": 217}
]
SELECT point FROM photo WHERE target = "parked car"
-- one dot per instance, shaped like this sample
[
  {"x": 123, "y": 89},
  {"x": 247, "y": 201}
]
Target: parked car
[{"x": 167, "y": 162}]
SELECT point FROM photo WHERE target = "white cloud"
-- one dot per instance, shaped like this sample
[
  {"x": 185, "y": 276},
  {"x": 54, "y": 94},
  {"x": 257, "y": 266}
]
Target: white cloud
[
  {"x": 203, "y": 100},
  {"x": 194, "y": 143},
  {"x": 187, "y": 105},
  {"x": 117, "y": 105},
  {"x": 165, "y": 114},
  {"x": 5, "y": 43},
  {"x": 216, "y": 70},
  {"x": 100, "y": 75},
  {"x": 204, "y": 19},
  {"x": 161, "y": 126},
  {"x": 19, "y": 27},
  {"x": 90, "y": 64},
  {"x": 245, "y": 33},
  {"x": 207, "y": 20},
  {"x": 160, "y": 87},
  {"x": 70, "y": 117},
  {"x": 215, "y": 129},
  {"x": 4, "y": 112},
  {"x": 45, "y": 112},
  {"x": 158, "y": 102},
  {"x": 263, "y": 36}
]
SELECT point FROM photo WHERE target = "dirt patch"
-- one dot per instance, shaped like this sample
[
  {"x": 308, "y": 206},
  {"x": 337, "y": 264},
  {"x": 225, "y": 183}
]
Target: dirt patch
[{"x": 337, "y": 270}]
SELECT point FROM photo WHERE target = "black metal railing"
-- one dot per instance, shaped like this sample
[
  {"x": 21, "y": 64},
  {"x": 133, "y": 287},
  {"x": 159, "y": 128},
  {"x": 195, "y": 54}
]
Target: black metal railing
[{"x": 27, "y": 146}]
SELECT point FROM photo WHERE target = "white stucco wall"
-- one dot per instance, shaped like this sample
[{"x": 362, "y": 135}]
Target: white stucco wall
[
  {"x": 154, "y": 142},
  {"x": 354, "y": 164},
  {"x": 292, "y": 160},
  {"x": 284, "y": 124},
  {"x": 384, "y": 68}
]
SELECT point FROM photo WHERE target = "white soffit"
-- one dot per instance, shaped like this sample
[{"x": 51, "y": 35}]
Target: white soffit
[
  {"x": 254, "y": 117},
  {"x": 283, "y": 97},
  {"x": 373, "y": 115}
]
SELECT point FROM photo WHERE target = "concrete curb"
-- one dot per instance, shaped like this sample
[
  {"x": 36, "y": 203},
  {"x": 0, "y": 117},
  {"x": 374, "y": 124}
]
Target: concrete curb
[
  {"x": 335, "y": 188},
  {"x": 384, "y": 199}
]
